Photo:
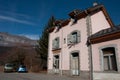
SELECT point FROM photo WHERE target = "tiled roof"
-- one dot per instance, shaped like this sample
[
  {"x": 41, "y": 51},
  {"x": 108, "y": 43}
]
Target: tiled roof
[
  {"x": 75, "y": 12},
  {"x": 78, "y": 14},
  {"x": 107, "y": 31}
]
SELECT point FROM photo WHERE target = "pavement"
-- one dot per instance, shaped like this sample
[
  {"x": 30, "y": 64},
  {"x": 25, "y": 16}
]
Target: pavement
[{"x": 35, "y": 76}]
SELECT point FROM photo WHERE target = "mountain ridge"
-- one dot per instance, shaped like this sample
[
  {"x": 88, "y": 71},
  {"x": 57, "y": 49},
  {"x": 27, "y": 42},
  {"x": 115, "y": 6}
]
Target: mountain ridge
[{"x": 7, "y": 39}]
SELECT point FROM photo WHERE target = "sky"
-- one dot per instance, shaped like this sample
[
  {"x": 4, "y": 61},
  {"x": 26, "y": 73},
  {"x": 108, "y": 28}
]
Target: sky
[{"x": 28, "y": 17}]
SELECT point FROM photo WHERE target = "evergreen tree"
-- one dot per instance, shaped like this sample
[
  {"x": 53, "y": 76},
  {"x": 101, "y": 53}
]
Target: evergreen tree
[{"x": 42, "y": 47}]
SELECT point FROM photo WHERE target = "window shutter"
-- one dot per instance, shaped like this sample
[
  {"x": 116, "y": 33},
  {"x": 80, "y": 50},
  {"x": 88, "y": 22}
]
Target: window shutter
[
  {"x": 54, "y": 62},
  {"x": 78, "y": 36},
  {"x": 69, "y": 39},
  {"x": 57, "y": 43},
  {"x": 53, "y": 44}
]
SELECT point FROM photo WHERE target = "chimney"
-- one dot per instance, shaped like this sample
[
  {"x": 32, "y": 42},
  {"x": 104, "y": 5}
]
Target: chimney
[{"x": 95, "y": 4}]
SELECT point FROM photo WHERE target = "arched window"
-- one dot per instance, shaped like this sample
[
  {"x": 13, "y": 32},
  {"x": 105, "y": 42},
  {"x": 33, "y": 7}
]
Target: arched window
[
  {"x": 55, "y": 43},
  {"x": 73, "y": 37},
  {"x": 109, "y": 59}
]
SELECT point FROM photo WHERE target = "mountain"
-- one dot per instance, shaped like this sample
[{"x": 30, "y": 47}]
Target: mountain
[
  {"x": 13, "y": 44},
  {"x": 7, "y": 39}
]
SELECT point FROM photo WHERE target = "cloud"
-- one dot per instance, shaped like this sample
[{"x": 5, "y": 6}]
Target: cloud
[
  {"x": 8, "y": 18},
  {"x": 31, "y": 36},
  {"x": 15, "y": 14}
]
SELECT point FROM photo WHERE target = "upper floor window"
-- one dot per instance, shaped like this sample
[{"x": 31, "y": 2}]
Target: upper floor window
[
  {"x": 55, "y": 43},
  {"x": 74, "y": 37}
]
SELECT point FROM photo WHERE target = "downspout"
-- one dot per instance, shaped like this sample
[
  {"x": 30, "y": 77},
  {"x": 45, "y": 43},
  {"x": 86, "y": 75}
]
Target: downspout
[
  {"x": 61, "y": 73},
  {"x": 89, "y": 32},
  {"x": 91, "y": 61}
]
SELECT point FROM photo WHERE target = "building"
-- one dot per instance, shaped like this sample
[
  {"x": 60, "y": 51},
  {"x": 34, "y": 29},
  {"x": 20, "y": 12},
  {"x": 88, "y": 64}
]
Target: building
[{"x": 86, "y": 45}]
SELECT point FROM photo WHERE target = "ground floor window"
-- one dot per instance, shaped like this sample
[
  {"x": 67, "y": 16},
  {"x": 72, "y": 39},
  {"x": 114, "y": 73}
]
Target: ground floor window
[{"x": 109, "y": 59}]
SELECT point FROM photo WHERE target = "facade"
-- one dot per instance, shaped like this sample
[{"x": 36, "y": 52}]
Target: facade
[
  {"x": 74, "y": 48},
  {"x": 106, "y": 53}
]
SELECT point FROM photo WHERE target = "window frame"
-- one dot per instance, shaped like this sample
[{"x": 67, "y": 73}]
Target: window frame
[
  {"x": 109, "y": 56},
  {"x": 70, "y": 37},
  {"x": 56, "y": 43}
]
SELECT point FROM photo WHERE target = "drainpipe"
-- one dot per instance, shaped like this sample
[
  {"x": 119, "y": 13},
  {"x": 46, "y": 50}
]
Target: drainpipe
[
  {"x": 91, "y": 61},
  {"x": 89, "y": 45},
  {"x": 61, "y": 72}
]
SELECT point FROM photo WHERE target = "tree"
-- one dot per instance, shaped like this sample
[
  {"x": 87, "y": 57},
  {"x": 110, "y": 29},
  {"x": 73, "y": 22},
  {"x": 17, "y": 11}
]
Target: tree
[
  {"x": 16, "y": 56},
  {"x": 42, "y": 47}
]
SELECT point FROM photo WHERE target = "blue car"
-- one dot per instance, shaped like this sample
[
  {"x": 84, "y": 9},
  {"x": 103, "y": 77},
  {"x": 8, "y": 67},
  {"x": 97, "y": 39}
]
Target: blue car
[{"x": 22, "y": 68}]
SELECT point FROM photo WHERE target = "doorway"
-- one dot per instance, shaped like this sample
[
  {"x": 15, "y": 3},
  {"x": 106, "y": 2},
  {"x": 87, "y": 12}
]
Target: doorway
[
  {"x": 56, "y": 63},
  {"x": 75, "y": 64}
]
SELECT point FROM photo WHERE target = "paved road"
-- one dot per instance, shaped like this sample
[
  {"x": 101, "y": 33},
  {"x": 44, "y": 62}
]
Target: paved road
[{"x": 34, "y": 76}]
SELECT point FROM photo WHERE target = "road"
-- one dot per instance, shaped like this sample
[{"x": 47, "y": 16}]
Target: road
[{"x": 34, "y": 76}]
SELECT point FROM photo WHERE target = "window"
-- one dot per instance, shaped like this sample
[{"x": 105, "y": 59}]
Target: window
[
  {"x": 55, "y": 43},
  {"x": 74, "y": 37},
  {"x": 109, "y": 59}
]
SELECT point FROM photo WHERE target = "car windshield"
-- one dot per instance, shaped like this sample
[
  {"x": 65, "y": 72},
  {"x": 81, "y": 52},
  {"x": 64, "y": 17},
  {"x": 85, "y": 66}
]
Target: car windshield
[{"x": 9, "y": 65}]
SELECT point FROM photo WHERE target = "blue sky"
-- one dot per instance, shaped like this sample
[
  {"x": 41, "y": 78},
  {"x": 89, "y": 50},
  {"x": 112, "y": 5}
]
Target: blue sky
[{"x": 28, "y": 17}]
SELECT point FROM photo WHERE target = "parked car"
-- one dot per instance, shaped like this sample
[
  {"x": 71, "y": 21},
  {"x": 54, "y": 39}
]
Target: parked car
[
  {"x": 9, "y": 67},
  {"x": 22, "y": 68}
]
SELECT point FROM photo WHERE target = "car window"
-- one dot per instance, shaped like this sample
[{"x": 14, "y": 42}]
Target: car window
[
  {"x": 9, "y": 65},
  {"x": 22, "y": 66}
]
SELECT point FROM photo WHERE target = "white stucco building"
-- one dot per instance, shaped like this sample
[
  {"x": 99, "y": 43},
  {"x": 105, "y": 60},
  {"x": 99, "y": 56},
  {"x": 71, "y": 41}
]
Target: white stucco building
[{"x": 86, "y": 43}]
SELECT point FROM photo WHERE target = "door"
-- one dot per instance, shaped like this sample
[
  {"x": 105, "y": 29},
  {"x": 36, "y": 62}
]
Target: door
[
  {"x": 74, "y": 64},
  {"x": 56, "y": 64}
]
